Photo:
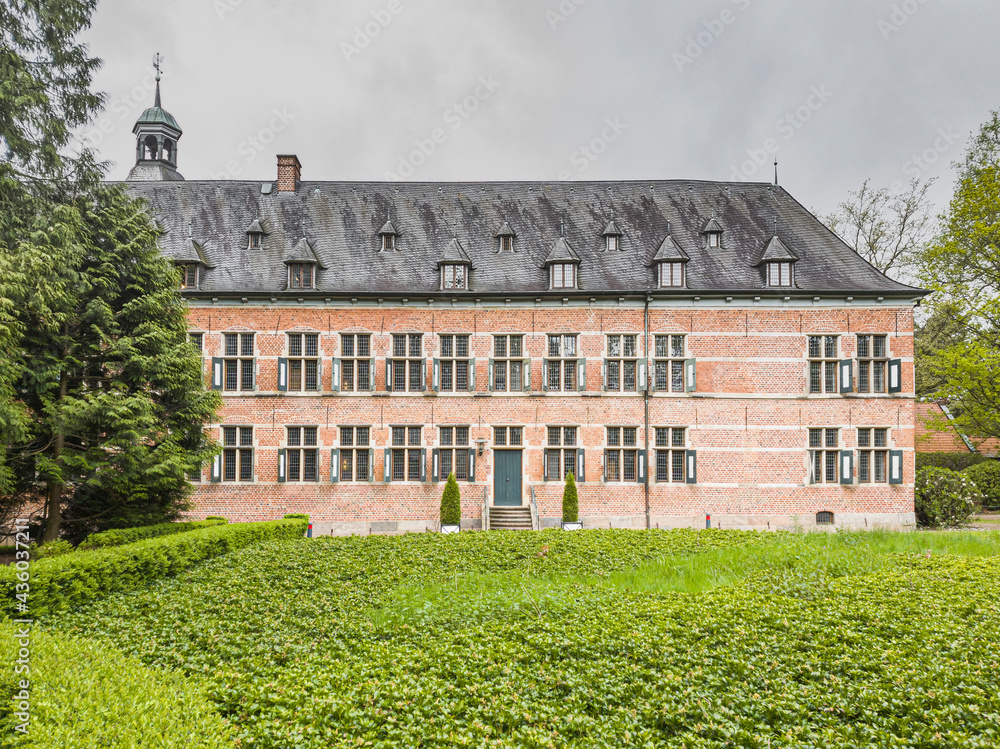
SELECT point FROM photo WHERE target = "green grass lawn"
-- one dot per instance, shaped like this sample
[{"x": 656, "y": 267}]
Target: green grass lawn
[{"x": 595, "y": 638}]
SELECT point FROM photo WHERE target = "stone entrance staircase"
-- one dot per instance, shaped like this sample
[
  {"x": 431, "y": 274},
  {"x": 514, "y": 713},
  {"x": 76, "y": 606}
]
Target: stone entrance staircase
[{"x": 510, "y": 518}]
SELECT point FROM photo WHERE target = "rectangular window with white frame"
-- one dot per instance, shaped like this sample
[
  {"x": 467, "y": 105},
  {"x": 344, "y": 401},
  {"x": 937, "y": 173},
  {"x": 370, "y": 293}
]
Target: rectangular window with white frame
[
  {"x": 623, "y": 461},
  {"x": 405, "y": 371},
  {"x": 671, "y": 454},
  {"x": 406, "y": 459},
  {"x": 873, "y": 455},
  {"x": 299, "y": 460},
  {"x": 237, "y": 454},
  {"x": 510, "y": 369},
  {"x": 355, "y": 455},
  {"x": 300, "y": 370},
  {"x": 824, "y": 452},
  {"x": 673, "y": 371},
  {"x": 356, "y": 365},
  {"x": 454, "y": 277},
  {"x": 562, "y": 455},
  {"x": 623, "y": 370},
  {"x": 235, "y": 370},
  {"x": 454, "y": 454},
  {"x": 453, "y": 371},
  {"x": 564, "y": 370},
  {"x": 873, "y": 363}
]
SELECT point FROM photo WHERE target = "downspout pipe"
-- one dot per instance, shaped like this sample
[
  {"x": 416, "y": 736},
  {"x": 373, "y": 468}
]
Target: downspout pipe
[{"x": 645, "y": 402}]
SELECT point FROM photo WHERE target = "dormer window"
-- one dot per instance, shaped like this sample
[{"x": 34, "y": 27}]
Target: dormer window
[
  {"x": 714, "y": 231},
  {"x": 563, "y": 275},
  {"x": 713, "y": 239},
  {"x": 671, "y": 275},
  {"x": 454, "y": 277},
  {"x": 507, "y": 244},
  {"x": 301, "y": 276},
  {"x": 505, "y": 235},
  {"x": 779, "y": 273},
  {"x": 254, "y": 241},
  {"x": 254, "y": 232},
  {"x": 612, "y": 240},
  {"x": 612, "y": 236},
  {"x": 388, "y": 242},
  {"x": 189, "y": 276}
]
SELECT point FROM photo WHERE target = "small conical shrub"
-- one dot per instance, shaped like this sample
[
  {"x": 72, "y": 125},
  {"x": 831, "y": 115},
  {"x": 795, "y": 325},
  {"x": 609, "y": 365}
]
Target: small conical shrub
[
  {"x": 451, "y": 503},
  {"x": 571, "y": 506}
]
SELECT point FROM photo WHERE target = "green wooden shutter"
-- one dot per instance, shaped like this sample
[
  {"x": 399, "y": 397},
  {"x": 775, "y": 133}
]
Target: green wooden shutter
[
  {"x": 489, "y": 376},
  {"x": 216, "y": 373},
  {"x": 691, "y": 466},
  {"x": 846, "y": 466},
  {"x": 581, "y": 374},
  {"x": 371, "y": 465},
  {"x": 435, "y": 465},
  {"x": 690, "y": 376},
  {"x": 545, "y": 374},
  {"x": 472, "y": 464},
  {"x": 643, "y": 460},
  {"x": 436, "y": 375},
  {"x": 334, "y": 466},
  {"x": 319, "y": 376},
  {"x": 846, "y": 376},
  {"x": 371, "y": 375},
  {"x": 388, "y": 375},
  {"x": 281, "y": 466},
  {"x": 580, "y": 466},
  {"x": 604, "y": 374},
  {"x": 423, "y": 375},
  {"x": 216, "y": 469},
  {"x": 545, "y": 465},
  {"x": 526, "y": 375},
  {"x": 423, "y": 464},
  {"x": 387, "y": 467},
  {"x": 642, "y": 366},
  {"x": 895, "y": 375},
  {"x": 472, "y": 375},
  {"x": 335, "y": 376},
  {"x": 895, "y": 466}
]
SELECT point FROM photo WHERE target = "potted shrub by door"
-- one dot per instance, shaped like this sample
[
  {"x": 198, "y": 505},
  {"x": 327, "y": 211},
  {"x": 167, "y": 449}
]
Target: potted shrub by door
[
  {"x": 451, "y": 506},
  {"x": 570, "y": 506}
]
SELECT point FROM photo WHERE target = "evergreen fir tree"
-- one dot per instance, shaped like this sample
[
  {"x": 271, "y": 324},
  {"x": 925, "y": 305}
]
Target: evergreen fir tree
[
  {"x": 451, "y": 502},
  {"x": 570, "y": 503}
]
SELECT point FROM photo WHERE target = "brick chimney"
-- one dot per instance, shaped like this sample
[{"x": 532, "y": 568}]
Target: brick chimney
[{"x": 289, "y": 172}]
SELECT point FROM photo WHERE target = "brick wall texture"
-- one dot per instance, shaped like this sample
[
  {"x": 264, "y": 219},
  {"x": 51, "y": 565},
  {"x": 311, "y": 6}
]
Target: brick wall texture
[{"x": 747, "y": 420}]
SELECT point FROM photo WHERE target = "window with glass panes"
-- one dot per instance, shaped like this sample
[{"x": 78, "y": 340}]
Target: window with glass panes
[
  {"x": 197, "y": 340},
  {"x": 237, "y": 453},
  {"x": 508, "y": 363},
  {"x": 406, "y": 462},
  {"x": 406, "y": 368},
  {"x": 670, "y": 454},
  {"x": 824, "y": 444},
  {"x": 668, "y": 366},
  {"x": 508, "y": 436},
  {"x": 563, "y": 275},
  {"x": 454, "y": 452},
  {"x": 561, "y": 364},
  {"x": 560, "y": 455},
  {"x": 622, "y": 364},
  {"x": 189, "y": 276},
  {"x": 238, "y": 361},
  {"x": 779, "y": 274},
  {"x": 454, "y": 363},
  {"x": 301, "y": 454},
  {"x": 873, "y": 454},
  {"x": 621, "y": 456},
  {"x": 823, "y": 364},
  {"x": 671, "y": 275},
  {"x": 303, "y": 361},
  {"x": 355, "y": 453},
  {"x": 454, "y": 277},
  {"x": 356, "y": 362},
  {"x": 301, "y": 275},
  {"x": 873, "y": 360}
]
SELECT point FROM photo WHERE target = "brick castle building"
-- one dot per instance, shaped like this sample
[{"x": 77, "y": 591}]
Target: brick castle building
[{"x": 686, "y": 348}]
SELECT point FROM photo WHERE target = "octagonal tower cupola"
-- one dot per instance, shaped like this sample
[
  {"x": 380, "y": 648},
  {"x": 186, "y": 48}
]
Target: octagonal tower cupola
[{"x": 156, "y": 135}]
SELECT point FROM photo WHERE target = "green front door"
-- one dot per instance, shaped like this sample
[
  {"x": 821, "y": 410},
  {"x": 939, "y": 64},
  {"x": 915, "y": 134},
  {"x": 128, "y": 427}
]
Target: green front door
[{"x": 507, "y": 487}]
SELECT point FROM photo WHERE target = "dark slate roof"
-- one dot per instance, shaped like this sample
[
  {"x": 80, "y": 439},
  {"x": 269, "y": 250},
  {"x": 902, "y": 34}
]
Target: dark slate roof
[
  {"x": 302, "y": 252},
  {"x": 670, "y": 250},
  {"x": 343, "y": 219},
  {"x": 191, "y": 252},
  {"x": 711, "y": 226},
  {"x": 454, "y": 254},
  {"x": 388, "y": 228},
  {"x": 612, "y": 230},
  {"x": 562, "y": 253},
  {"x": 505, "y": 231},
  {"x": 776, "y": 250}
]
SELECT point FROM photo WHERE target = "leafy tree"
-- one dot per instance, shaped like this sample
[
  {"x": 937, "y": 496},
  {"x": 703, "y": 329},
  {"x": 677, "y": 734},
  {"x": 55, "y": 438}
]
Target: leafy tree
[
  {"x": 570, "y": 502},
  {"x": 939, "y": 332},
  {"x": 963, "y": 267},
  {"x": 887, "y": 229},
  {"x": 451, "y": 502},
  {"x": 114, "y": 391}
]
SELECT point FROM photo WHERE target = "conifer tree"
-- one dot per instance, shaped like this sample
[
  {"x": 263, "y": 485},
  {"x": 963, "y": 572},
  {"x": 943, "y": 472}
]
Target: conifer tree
[
  {"x": 570, "y": 503},
  {"x": 451, "y": 502}
]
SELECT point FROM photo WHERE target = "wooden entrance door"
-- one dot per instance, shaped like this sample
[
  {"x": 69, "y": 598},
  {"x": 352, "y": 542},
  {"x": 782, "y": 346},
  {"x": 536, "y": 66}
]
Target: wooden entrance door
[{"x": 507, "y": 484}]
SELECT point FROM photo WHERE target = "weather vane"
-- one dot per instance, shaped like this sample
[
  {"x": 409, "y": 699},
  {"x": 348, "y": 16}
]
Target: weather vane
[{"x": 157, "y": 60}]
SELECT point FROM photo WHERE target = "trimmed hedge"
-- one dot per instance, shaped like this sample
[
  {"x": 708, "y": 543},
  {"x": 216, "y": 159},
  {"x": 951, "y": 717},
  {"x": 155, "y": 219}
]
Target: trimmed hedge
[
  {"x": 66, "y": 581},
  {"x": 986, "y": 477},
  {"x": 122, "y": 536},
  {"x": 86, "y": 694},
  {"x": 951, "y": 461}
]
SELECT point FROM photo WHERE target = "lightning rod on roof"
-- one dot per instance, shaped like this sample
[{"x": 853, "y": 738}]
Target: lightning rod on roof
[{"x": 776, "y": 170}]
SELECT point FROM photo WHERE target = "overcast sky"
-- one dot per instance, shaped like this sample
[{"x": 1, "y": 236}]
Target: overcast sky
[{"x": 549, "y": 89}]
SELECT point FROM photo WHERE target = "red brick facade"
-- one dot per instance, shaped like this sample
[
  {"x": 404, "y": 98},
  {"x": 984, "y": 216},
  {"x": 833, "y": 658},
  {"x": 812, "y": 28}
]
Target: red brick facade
[{"x": 746, "y": 422}]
